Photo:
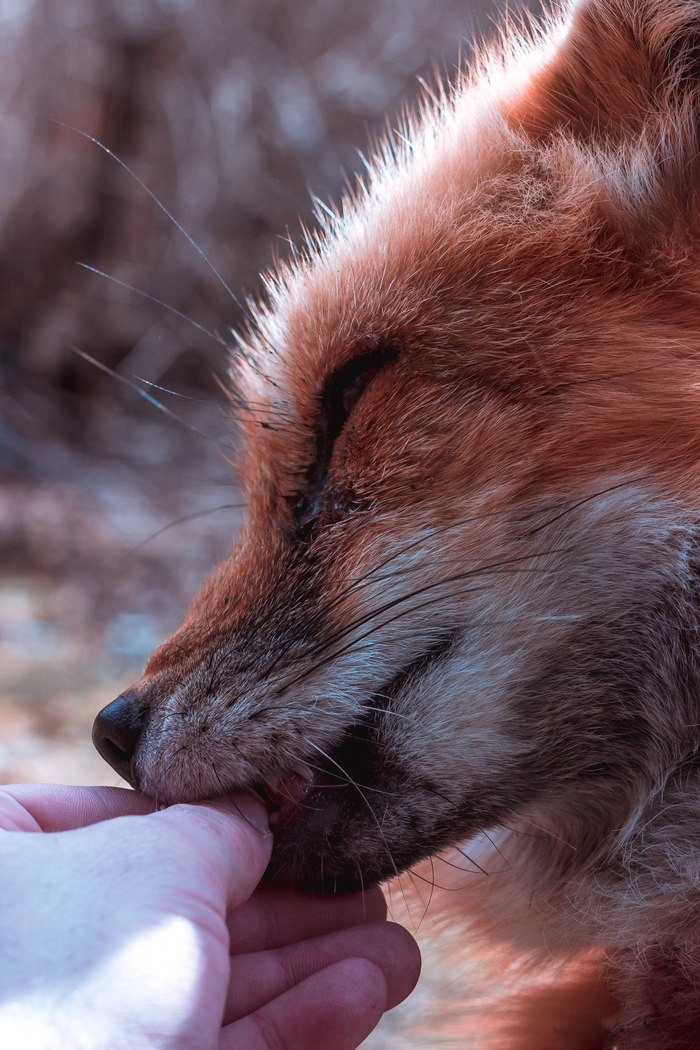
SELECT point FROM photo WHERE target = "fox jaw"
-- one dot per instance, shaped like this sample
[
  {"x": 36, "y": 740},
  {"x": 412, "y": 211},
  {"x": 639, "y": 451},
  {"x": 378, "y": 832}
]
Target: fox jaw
[{"x": 466, "y": 591}]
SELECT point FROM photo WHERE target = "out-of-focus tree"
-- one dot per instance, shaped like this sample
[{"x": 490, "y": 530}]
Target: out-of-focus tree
[{"x": 231, "y": 112}]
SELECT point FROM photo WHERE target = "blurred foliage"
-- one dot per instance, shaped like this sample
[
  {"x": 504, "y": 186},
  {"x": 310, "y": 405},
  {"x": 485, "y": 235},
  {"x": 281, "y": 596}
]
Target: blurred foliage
[{"x": 231, "y": 112}]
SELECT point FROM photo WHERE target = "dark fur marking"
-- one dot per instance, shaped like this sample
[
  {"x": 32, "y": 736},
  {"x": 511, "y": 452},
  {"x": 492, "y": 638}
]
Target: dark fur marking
[{"x": 341, "y": 391}]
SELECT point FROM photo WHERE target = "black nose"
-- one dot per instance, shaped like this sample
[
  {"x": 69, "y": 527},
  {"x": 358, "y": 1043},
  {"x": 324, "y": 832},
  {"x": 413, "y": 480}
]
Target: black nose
[{"x": 116, "y": 733}]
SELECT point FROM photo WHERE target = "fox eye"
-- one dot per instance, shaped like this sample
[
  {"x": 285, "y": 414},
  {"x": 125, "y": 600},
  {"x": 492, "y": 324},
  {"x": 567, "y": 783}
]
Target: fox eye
[
  {"x": 341, "y": 392},
  {"x": 351, "y": 392}
]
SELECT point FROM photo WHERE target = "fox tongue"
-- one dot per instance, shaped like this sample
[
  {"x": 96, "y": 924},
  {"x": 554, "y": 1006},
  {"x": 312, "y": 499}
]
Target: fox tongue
[{"x": 287, "y": 793}]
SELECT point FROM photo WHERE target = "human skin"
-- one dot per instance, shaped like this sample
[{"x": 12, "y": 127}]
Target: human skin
[{"x": 121, "y": 926}]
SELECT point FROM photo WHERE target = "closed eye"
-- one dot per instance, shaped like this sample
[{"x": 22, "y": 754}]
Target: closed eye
[{"x": 341, "y": 391}]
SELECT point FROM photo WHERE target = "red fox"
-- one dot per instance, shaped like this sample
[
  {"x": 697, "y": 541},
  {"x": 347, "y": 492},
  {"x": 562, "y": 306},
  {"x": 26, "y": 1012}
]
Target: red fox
[{"x": 466, "y": 598}]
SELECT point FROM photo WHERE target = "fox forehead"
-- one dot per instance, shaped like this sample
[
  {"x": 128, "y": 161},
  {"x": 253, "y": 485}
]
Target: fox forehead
[
  {"x": 501, "y": 295},
  {"x": 467, "y": 280},
  {"x": 423, "y": 267},
  {"x": 465, "y": 218}
]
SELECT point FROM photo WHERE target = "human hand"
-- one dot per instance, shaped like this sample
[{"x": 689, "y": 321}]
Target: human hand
[{"x": 141, "y": 932}]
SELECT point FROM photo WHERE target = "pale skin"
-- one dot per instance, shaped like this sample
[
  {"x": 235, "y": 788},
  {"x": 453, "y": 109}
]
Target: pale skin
[{"x": 122, "y": 927}]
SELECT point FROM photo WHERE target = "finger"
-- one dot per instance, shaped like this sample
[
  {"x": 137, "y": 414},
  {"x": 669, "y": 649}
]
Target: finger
[
  {"x": 263, "y": 976},
  {"x": 274, "y": 917},
  {"x": 229, "y": 839},
  {"x": 60, "y": 807},
  {"x": 335, "y": 1009}
]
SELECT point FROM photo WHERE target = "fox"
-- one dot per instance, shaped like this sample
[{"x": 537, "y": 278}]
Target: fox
[{"x": 464, "y": 605}]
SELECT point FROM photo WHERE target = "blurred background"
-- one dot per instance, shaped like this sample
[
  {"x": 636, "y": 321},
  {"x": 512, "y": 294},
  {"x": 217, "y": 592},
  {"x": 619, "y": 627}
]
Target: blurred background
[{"x": 116, "y": 496}]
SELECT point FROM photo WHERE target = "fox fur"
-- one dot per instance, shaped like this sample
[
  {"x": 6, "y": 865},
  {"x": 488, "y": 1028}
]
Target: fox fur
[{"x": 465, "y": 604}]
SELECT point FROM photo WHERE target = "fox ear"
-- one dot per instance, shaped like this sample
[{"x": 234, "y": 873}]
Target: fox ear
[{"x": 618, "y": 65}]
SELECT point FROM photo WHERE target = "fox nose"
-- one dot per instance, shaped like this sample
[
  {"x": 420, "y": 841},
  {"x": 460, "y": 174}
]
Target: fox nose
[{"x": 116, "y": 733}]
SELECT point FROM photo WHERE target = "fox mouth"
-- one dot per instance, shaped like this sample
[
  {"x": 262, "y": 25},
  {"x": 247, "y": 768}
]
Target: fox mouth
[
  {"x": 285, "y": 796},
  {"x": 289, "y": 794},
  {"x": 311, "y": 804},
  {"x": 307, "y": 791}
]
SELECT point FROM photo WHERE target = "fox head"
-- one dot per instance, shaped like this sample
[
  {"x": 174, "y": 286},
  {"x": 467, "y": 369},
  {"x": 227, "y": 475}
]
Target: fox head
[{"x": 467, "y": 585}]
